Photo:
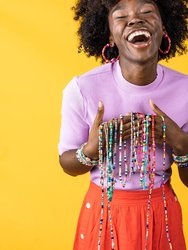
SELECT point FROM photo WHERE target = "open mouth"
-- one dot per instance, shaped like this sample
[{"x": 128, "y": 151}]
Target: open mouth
[{"x": 139, "y": 37}]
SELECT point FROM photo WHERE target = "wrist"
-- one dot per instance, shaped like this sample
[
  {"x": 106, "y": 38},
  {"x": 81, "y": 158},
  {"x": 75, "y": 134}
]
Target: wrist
[
  {"x": 180, "y": 145},
  {"x": 87, "y": 150},
  {"x": 84, "y": 159}
]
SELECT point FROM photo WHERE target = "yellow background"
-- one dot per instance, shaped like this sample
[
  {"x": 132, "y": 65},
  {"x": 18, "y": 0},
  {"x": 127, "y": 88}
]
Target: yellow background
[{"x": 39, "y": 204}]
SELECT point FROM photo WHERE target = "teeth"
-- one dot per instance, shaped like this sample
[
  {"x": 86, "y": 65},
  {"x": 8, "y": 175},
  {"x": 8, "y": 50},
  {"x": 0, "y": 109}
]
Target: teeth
[{"x": 138, "y": 33}]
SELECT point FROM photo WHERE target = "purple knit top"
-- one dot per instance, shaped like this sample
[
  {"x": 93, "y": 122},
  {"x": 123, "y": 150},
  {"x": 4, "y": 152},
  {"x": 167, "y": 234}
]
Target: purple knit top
[{"x": 169, "y": 91}]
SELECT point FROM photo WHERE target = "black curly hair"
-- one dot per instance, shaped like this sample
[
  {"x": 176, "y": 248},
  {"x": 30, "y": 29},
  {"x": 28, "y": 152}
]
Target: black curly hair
[{"x": 94, "y": 29}]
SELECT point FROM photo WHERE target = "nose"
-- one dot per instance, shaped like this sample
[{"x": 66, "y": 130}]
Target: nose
[{"x": 135, "y": 21}]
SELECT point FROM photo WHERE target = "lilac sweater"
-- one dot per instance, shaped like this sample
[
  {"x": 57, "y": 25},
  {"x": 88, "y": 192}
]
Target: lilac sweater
[{"x": 169, "y": 91}]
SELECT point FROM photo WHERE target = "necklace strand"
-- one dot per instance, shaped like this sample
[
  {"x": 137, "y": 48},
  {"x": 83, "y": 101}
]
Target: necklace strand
[{"x": 142, "y": 160}]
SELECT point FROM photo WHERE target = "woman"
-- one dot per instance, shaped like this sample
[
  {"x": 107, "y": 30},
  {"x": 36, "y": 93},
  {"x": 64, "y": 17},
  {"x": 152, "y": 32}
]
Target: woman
[{"x": 133, "y": 35}]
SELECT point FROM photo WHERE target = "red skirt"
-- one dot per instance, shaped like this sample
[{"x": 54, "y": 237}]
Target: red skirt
[{"x": 129, "y": 209}]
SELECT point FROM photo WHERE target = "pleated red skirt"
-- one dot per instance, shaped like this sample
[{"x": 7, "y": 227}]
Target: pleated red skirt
[{"x": 129, "y": 209}]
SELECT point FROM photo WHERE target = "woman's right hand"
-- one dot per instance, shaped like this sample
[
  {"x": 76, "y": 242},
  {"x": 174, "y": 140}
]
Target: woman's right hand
[{"x": 91, "y": 148}]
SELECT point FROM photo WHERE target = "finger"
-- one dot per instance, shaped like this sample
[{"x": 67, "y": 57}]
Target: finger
[
  {"x": 160, "y": 121},
  {"x": 126, "y": 118},
  {"x": 126, "y": 126},
  {"x": 156, "y": 109},
  {"x": 99, "y": 116},
  {"x": 157, "y": 141},
  {"x": 111, "y": 122},
  {"x": 126, "y": 137},
  {"x": 130, "y": 130},
  {"x": 127, "y": 132}
]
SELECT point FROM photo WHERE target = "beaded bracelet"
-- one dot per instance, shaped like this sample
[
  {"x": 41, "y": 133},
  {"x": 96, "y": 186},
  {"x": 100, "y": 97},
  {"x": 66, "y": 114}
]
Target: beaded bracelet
[
  {"x": 183, "y": 165},
  {"x": 180, "y": 159},
  {"x": 81, "y": 157}
]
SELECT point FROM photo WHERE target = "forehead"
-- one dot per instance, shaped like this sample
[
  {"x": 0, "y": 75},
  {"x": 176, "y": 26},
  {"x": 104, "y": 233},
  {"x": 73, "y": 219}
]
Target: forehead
[{"x": 122, "y": 4}]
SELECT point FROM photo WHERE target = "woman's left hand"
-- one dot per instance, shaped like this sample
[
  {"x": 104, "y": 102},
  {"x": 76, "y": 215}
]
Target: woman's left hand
[{"x": 176, "y": 138}]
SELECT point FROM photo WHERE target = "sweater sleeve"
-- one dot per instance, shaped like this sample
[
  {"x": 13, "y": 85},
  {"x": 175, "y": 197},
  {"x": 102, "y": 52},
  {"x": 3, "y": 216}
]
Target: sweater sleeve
[{"x": 74, "y": 129}]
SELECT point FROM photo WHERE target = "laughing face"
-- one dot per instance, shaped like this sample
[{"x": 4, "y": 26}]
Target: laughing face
[{"x": 136, "y": 29}]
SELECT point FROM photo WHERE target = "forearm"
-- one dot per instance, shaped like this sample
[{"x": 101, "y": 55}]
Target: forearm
[
  {"x": 180, "y": 145},
  {"x": 71, "y": 165},
  {"x": 183, "y": 173},
  {"x": 181, "y": 148}
]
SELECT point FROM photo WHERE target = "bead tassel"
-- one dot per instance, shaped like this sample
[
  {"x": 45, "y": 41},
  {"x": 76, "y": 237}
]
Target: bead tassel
[{"x": 142, "y": 159}]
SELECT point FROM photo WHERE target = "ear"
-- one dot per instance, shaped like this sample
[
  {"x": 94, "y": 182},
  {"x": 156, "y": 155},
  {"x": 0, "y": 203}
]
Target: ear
[
  {"x": 111, "y": 40},
  {"x": 164, "y": 29}
]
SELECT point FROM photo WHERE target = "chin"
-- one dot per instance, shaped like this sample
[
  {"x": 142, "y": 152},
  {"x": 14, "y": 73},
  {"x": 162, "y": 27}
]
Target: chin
[{"x": 142, "y": 58}]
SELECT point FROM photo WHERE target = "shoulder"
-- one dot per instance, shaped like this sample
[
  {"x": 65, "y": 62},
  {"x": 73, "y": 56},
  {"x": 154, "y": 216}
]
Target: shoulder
[
  {"x": 95, "y": 76},
  {"x": 174, "y": 75},
  {"x": 97, "y": 72},
  {"x": 89, "y": 82},
  {"x": 173, "y": 82},
  {"x": 90, "y": 78},
  {"x": 174, "y": 93}
]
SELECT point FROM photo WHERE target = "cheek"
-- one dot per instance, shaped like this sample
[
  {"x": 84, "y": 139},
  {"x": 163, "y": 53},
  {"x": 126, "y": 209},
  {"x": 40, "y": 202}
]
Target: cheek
[
  {"x": 158, "y": 26},
  {"x": 116, "y": 29},
  {"x": 158, "y": 32},
  {"x": 159, "y": 38},
  {"x": 118, "y": 33}
]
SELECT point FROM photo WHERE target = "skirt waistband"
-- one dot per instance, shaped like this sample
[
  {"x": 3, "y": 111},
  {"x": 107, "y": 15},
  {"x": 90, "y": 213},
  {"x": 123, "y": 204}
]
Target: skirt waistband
[{"x": 138, "y": 196}]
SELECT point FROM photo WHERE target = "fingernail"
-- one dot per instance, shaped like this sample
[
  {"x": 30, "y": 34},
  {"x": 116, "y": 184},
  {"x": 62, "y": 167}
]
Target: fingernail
[{"x": 100, "y": 105}]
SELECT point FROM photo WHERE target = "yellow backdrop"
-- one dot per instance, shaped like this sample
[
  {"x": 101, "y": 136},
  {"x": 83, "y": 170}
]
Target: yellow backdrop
[{"x": 39, "y": 204}]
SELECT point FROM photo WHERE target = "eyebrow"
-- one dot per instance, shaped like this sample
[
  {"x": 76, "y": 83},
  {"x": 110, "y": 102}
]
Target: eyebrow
[{"x": 121, "y": 6}]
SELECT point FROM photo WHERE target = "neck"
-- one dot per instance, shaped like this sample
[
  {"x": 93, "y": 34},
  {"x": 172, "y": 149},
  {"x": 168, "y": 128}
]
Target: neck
[{"x": 139, "y": 74}]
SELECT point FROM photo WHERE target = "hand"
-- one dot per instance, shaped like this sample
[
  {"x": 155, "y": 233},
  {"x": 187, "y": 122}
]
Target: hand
[
  {"x": 91, "y": 148},
  {"x": 174, "y": 134}
]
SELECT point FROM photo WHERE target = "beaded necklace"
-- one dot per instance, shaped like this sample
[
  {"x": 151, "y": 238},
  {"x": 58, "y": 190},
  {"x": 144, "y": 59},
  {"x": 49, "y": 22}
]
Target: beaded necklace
[
  {"x": 142, "y": 160},
  {"x": 163, "y": 183}
]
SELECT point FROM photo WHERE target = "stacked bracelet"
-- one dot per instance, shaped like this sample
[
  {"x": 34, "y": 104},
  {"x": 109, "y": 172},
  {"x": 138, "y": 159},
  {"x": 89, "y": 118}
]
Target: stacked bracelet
[
  {"x": 183, "y": 165},
  {"x": 81, "y": 157},
  {"x": 181, "y": 161}
]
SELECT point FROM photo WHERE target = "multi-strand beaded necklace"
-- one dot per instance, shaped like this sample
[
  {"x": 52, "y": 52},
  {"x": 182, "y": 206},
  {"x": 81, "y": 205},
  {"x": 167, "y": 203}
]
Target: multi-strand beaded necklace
[{"x": 142, "y": 160}]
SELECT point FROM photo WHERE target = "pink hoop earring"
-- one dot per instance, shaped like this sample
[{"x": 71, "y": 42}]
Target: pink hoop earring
[
  {"x": 165, "y": 36},
  {"x": 104, "y": 57}
]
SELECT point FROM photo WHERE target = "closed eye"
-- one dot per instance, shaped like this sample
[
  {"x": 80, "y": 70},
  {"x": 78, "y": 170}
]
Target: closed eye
[
  {"x": 121, "y": 17},
  {"x": 146, "y": 11}
]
